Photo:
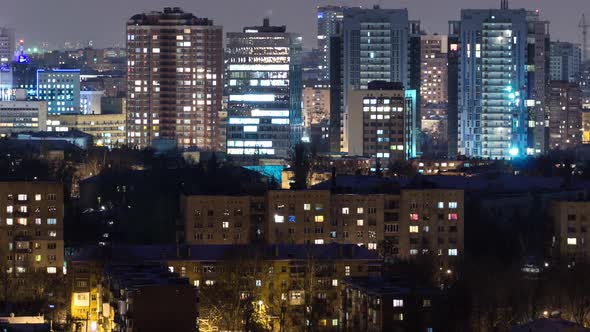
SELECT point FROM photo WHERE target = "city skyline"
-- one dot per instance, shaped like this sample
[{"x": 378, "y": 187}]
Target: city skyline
[{"x": 32, "y": 20}]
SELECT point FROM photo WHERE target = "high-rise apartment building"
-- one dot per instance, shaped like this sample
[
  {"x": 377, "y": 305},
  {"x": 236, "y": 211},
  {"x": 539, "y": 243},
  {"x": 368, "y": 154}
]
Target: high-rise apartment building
[
  {"x": 329, "y": 24},
  {"x": 264, "y": 89},
  {"x": 377, "y": 122},
  {"x": 375, "y": 44},
  {"x": 564, "y": 104},
  {"x": 433, "y": 69},
  {"x": 500, "y": 68},
  {"x": 32, "y": 227},
  {"x": 566, "y": 61},
  {"x": 60, "y": 88},
  {"x": 174, "y": 80}
]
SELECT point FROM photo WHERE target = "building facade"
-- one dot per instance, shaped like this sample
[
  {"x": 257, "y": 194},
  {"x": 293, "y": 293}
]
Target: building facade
[
  {"x": 564, "y": 103},
  {"x": 374, "y": 44},
  {"x": 107, "y": 129},
  {"x": 568, "y": 221},
  {"x": 19, "y": 115},
  {"x": 329, "y": 23},
  {"x": 7, "y": 45},
  {"x": 265, "y": 90},
  {"x": 566, "y": 61},
  {"x": 174, "y": 81},
  {"x": 405, "y": 225},
  {"x": 377, "y": 123},
  {"x": 90, "y": 101},
  {"x": 498, "y": 51},
  {"x": 32, "y": 227},
  {"x": 433, "y": 69},
  {"x": 60, "y": 88}
]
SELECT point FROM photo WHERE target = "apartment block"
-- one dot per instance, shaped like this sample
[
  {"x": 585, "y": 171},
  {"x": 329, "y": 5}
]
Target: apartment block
[
  {"x": 569, "y": 221},
  {"x": 174, "y": 80},
  {"x": 377, "y": 122},
  {"x": 431, "y": 223},
  {"x": 402, "y": 225},
  {"x": 222, "y": 219},
  {"x": 376, "y": 305},
  {"x": 31, "y": 227}
]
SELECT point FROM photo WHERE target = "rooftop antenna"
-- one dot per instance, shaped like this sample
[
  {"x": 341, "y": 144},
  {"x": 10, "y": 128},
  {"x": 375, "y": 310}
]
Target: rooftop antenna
[
  {"x": 504, "y": 4},
  {"x": 584, "y": 28}
]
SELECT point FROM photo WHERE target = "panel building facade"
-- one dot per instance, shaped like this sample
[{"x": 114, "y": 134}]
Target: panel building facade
[
  {"x": 32, "y": 227},
  {"x": 174, "y": 80}
]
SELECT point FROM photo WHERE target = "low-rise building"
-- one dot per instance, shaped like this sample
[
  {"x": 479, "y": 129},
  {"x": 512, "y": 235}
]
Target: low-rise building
[
  {"x": 378, "y": 305},
  {"x": 569, "y": 221},
  {"x": 290, "y": 283},
  {"x": 107, "y": 129},
  {"x": 17, "y": 114},
  {"x": 401, "y": 223},
  {"x": 146, "y": 297}
]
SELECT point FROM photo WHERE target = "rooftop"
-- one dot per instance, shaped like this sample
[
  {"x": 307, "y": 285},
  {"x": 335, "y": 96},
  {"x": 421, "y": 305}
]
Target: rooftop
[{"x": 151, "y": 253}]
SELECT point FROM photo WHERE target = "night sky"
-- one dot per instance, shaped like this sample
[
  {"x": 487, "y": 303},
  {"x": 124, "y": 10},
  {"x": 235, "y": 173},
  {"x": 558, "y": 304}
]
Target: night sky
[{"x": 103, "y": 21}]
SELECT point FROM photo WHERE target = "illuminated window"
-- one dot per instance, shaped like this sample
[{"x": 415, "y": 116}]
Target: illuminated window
[
  {"x": 306, "y": 206},
  {"x": 413, "y": 229},
  {"x": 372, "y": 246},
  {"x": 347, "y": 270},
  {"x": 258, "y": 283},
  {"x": 51, "y": 270},
  {"x": 572, "y": 241},
  {"x": 22, "y": 209},
  {"x": 452, "y": 216},
  {"x": 319, "y": 218},
  {"x": 37, "y": 258},
  {"x": 345, "y": 210},
  {"x": 225, "y": 224},
  {"x": 359, "y": 222},
  {"x": 52, "y": 233},
  {"x": 335, "y": 282},
  {"x": 318, "y": 241},
  {"x": 413, "y": 252},
  {"x": 452, "y": 205},
  {"x": 398, "y": 303},
  {"x": 22, "y": 221},
  {"x": 38, "y": 197},
  {"x": 51, "y": 221},
  {"x": 452, "y": 252},
  {"x": 8, "y": 221},
  {"x": 279, "y": 219},
  {"x": 9, "y": 209},
  {"x": 22, "y": 197},
  {"x": 37, "y": 221},
  {"x": 441, "y": 205},
  {"x": 359, "y": 210},
  {"x": 413, "y": 216}
]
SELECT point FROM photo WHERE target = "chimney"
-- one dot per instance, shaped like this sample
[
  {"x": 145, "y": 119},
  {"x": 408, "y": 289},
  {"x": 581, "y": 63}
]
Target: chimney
[{"x": 266, "y": 22}]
